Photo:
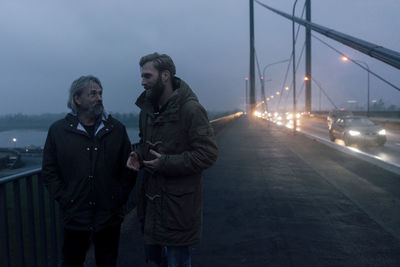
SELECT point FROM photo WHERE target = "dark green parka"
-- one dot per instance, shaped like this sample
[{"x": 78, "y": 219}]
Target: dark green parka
[{"x": 170, "y": 202}]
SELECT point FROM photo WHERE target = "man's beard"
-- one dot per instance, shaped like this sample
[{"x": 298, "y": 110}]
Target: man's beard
[
  {"x": 95, "y": 110},
  {"x": 154, "y": 93}
]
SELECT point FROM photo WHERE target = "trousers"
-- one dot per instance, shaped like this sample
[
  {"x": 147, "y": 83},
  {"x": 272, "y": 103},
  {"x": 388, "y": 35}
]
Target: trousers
[
  {"x": 168, "y": 256},
  {"x": 77, "y": 243}
]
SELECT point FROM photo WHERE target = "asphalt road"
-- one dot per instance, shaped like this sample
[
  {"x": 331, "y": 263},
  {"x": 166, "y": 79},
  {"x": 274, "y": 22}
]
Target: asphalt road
[
  {"x": 274, "y": 199},
  {"x": 390, "y": 152}
]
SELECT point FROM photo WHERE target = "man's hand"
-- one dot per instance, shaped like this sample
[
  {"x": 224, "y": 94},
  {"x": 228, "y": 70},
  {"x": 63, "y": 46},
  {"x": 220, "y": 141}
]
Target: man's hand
[
  {"x": 133, "y": 162},
  {"x": 153, "y": 164}
]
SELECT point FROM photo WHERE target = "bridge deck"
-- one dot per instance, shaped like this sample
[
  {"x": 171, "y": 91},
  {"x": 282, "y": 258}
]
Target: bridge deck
[{"x": 274, "y": 199}]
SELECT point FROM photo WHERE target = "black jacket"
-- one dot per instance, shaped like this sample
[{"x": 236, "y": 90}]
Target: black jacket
[{"x": 87, "y": 175}]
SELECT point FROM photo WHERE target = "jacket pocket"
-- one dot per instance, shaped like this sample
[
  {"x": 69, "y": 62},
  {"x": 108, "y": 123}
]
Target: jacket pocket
[
  {"x": 66, "y": 203},
  {"x": 116, "y": 196},
  {"x": 178, "y": 209}
]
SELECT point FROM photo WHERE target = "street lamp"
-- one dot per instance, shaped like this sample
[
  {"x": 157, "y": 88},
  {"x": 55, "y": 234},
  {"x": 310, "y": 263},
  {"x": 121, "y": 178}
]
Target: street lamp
[
  {"x": 368, "y": 71},
  {"x": 15, "y": 142},
  {"x": 263, "y": 77},
  {"x": 246, "y": 94},
  {"x": 294, "y": 66}
]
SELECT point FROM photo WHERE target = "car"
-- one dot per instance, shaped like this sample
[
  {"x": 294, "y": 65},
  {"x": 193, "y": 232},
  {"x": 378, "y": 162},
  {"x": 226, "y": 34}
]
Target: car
[
  {"x": 359, "y": 130},
  {"x": 333, "y": 115}
]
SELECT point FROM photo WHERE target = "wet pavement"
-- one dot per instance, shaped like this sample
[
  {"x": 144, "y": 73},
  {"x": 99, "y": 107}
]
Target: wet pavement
[{"x": 275, "y": 199}]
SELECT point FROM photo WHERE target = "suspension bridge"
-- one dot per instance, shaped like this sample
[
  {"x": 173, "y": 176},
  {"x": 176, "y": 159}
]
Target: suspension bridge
[{"x": 279, "y": 195}]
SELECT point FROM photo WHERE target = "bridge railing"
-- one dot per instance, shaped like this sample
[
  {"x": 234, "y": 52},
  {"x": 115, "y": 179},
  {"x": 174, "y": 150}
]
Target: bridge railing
[
  {"x": 219, "y": 124},
  {"x": 30, "y": 222}
]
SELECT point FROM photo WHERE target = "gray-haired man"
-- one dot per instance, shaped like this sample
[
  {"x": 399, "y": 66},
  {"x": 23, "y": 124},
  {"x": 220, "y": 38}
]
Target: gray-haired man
[{"x": 84, "y": 169}]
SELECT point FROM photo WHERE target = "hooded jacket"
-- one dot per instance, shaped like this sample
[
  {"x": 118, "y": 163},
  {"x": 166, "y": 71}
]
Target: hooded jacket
[
  {"x": 87, "y": 175},
  {"x": 170, "y": 202}
]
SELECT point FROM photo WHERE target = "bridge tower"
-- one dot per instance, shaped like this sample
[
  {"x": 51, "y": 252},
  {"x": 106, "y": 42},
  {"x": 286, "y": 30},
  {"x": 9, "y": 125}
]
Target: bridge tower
[
  {"x": 251, "y": 76},
  {"x": 308, "y": 58}
]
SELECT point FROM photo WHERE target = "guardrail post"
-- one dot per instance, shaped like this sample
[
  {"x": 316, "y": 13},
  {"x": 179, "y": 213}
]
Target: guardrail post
[
  {"x": 53, "y": 232},
  {"x": 4, "y": 228},
  {"x": 42, "y": 224},
  {"x": 18, "y": 223},
  {"x": 31, "y": 221}
]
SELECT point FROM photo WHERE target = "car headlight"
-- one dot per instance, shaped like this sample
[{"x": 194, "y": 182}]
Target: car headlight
[
  {"x": 382, "y": 132},
  {"x": 354, "y": 133}
]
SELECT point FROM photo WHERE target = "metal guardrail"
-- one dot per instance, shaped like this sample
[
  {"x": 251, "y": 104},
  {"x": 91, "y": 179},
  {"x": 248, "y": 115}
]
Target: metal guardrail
[
  {"x": 220, "y": 123},
  {"x": 28, "y": 219},
  {"x": 30, "y": 236}
]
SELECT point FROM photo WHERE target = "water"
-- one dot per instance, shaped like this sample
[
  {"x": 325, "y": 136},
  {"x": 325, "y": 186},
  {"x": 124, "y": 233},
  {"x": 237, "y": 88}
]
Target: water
[{"x": 37, "y": 137}]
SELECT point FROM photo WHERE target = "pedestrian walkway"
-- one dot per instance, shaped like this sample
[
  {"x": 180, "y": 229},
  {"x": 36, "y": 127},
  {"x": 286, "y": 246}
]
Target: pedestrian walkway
[{"x": 274, "y": 199}]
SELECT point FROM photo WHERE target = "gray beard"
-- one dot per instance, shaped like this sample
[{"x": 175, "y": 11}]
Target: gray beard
[{"x": 95, "y": 111}]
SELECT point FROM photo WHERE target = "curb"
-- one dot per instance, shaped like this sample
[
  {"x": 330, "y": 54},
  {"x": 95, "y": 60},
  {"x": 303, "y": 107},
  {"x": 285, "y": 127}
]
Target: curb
[{"x": 389, "y": 166}]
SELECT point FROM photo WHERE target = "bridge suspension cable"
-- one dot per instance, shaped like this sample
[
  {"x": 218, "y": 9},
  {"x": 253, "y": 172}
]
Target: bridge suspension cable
[
  {"x": 381, "y": 53},
  {"x": 259, "y": 75},
  {"x": 290, "y": 62},
  {"x": 320, "y": 88},
  {"x": 355, "y": 62},
  {"x": 297, "y": 66}
]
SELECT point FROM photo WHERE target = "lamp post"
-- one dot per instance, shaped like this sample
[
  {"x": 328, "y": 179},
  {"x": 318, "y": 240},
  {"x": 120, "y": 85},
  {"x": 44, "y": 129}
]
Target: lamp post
[
  {"x": 15, "y": 142},
  {"x": 368, "y": 71},
  {"x": 294, "y": 67},
  {"x": 246, "y": 95},
  {"x": 263, "y": 77}
]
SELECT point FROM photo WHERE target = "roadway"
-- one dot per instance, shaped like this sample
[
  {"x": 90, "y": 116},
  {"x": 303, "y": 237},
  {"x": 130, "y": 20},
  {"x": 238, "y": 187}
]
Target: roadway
[
  {"x": 278, "y": 199},
  {"x": 389, "y": 153}
]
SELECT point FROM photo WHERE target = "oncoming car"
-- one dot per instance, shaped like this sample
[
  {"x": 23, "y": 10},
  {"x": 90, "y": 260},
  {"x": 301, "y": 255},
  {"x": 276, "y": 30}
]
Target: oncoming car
[
  {"x": 335, "y": 114},
  {"x": 357, "y": 130}
]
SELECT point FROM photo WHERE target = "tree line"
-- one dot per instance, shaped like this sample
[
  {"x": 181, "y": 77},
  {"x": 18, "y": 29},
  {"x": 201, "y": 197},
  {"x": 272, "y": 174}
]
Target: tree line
[{"x": 43, "y": 121}]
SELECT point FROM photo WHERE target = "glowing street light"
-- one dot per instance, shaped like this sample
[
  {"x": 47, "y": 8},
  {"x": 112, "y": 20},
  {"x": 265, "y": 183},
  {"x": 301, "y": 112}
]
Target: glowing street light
[
  {"x": 306, "y": 78},
  {"x": 287, "y": 88},
  {"x": 15, "y": 142},
  {"x": 358, "y": 62},
  {"x": 264, "y": 75}
]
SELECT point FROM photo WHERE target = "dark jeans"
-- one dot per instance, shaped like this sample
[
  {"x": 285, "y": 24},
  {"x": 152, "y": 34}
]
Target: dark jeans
[
  {"x": 76, "y": 245},
  {"x": 165, "y": 256}
]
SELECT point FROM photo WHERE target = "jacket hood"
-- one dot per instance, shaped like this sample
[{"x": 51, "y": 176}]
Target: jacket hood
[{"x": 182, "y": 94}]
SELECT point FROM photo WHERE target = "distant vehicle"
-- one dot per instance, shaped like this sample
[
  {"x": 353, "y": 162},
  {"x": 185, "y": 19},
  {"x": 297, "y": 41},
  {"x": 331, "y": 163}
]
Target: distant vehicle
[
  {"x": 357, "y": 130},
  {"x": 335, "y": 114}
]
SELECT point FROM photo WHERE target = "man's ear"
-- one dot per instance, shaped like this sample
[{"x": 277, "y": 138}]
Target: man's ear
[
  {"x": 77, "y": 100},
  {"x": 165, "y": 76}
]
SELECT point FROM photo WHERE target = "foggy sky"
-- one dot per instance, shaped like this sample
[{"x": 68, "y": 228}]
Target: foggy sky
[{"x": 45, "y": 45}]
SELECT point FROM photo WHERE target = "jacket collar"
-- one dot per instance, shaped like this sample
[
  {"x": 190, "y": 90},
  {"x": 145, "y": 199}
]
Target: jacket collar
[
  {"x": 77, "y": 124},
  {"x": 181, "y": 94}
]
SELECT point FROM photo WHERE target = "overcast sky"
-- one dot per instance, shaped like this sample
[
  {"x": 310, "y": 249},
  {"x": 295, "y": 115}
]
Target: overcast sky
[{"x": 45, "y": 45}]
